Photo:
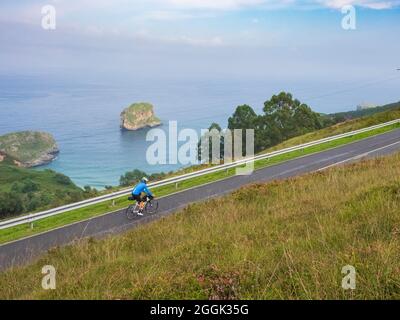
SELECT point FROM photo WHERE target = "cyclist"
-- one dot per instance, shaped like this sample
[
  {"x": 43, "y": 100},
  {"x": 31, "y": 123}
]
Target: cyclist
[{"x": 137, "y": 192}]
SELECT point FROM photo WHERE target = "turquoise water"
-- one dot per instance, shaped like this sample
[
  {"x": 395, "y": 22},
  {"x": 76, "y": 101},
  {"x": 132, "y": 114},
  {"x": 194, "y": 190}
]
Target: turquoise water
[{"x": 84, "y": 117}]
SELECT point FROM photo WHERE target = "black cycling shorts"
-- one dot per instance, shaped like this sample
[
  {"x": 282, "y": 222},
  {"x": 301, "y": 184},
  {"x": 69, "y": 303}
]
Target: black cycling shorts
[{"x": 138, "y": 198}]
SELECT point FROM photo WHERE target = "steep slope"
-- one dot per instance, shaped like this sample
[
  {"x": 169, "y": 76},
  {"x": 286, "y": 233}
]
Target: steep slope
[
  {"x": 25, "y": 190},
  {"x": 285, "y": 239}
]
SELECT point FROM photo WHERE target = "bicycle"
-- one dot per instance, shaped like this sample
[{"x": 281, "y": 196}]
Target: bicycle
[{"x": 150, "y": 207}]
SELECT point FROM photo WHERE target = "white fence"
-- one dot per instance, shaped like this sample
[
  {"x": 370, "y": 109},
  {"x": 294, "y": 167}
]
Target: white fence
[{"x": 48, "y": 213}]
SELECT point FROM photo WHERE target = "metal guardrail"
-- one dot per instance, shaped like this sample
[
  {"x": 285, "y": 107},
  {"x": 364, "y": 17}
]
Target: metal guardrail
[{"x": 55, "y": 211}]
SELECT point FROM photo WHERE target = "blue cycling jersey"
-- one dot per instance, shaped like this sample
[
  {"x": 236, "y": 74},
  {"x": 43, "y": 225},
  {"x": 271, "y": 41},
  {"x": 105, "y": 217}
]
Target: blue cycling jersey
[{"x": 141, "y": 187}]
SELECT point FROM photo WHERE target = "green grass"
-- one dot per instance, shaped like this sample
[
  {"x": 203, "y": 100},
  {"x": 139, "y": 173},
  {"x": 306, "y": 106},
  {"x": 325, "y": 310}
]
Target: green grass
[
  {"x": 35, "y": 190},
  {"x": 46, "y": 179},
  {"x": 281, "y": 240},
  {"x": 46, "y": 224}
]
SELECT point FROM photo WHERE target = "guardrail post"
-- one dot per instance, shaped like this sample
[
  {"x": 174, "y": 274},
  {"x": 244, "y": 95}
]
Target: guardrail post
[
  {"x": 31, "y": 225},
  {"x": 176, "y": 185}
]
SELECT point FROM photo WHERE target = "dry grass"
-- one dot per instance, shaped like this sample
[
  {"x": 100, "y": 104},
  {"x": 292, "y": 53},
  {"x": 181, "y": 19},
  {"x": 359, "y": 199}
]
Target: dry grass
[{"x": 282, "y": 240}]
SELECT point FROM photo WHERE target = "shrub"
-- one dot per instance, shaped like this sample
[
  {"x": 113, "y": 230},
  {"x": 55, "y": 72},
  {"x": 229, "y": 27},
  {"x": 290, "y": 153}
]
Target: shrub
[
  {"x": 62, "y": 179},
  {"x": 133, "y": 177},
  {"x": 10, "y": 204}
]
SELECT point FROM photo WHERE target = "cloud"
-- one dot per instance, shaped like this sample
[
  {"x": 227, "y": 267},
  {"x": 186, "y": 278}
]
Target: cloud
[
  {"x": 215, "y": 4},
  {"x": 168, "y": 10},
  {"x": 370, "y": 4},
  {"x": 273, "y": 4}
]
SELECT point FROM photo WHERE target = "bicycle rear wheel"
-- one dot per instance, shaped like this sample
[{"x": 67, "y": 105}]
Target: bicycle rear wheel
[
  {"x": 131, "y": 211},
  {"x": 151, "y": 207}
]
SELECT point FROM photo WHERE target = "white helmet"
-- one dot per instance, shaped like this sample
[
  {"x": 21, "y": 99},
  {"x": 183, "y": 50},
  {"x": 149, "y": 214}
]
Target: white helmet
[{"x": 144, "y": 179}]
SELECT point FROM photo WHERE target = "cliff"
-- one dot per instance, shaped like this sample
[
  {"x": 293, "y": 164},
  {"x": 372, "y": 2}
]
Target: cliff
[
  {"x": 139, "y": 115},
  {"x": 28, "y": 148}
]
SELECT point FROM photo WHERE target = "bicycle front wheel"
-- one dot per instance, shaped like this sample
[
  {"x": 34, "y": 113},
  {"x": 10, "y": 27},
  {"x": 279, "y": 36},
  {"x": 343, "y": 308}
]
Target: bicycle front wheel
[
  {"x": 131, "y": 211},
  {"x": 152, "y": 207}
]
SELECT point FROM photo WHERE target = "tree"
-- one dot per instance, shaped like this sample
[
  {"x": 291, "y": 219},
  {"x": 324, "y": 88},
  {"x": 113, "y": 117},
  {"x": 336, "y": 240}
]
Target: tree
[
  {"x": 62, "y": 179},
  {"x": 214, "y": 127},
  {"x": 244, "y": 117},
  {"x": 131, "y": 177},
  {"x": 10, "y": 204},
  {"x": 287, "y": 117},
  {"x": 89, "y": 191},
  {"x": 284, "y": 117}
]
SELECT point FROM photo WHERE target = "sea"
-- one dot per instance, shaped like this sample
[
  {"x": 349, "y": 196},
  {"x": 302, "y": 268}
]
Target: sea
[{"x": 84, "y": 116}]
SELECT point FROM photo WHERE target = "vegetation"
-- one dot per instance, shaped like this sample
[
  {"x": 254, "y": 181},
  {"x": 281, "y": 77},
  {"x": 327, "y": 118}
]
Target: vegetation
[
  {"x": 42, "y": 225},
  {"x": 343, "y": 116},
  {"x": 287, "y": 122},
  {"x": 284, "y": 117},
  {"x": 132, "y": 177},
  {"x": 28, "y": 148},
  {"x": 214, "y": 128},
  {"x": 24, "y": 190},
  {"x": 282, "y": 240},
  {"x": 347, "y": 126},
  {"x": 48, "y": 196},
  {"x": 139, "y": 115}
]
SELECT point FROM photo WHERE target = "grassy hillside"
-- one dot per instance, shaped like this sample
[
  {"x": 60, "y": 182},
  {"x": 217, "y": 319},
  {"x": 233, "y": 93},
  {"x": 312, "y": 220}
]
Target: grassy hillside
[
  {"x": 342, "y": 127},
  {"x": 47, "y": 179},
  {"x": 286, "y": 239},
  {"x": 26, "y": 190},
  {"x": 35, "y": 201}
]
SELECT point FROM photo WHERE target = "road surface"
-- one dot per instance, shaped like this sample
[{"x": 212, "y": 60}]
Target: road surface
[{"x": 24, "y": 250}]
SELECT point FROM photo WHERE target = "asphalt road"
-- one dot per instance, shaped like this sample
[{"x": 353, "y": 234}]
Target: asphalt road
[{"x": 27, "y": 249}]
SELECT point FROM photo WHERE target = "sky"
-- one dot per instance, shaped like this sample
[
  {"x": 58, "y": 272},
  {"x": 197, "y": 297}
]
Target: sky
[{"x": 209, "y": 39}]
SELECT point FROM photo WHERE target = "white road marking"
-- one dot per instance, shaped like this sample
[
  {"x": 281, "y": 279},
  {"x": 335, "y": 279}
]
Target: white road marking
[
  {"x": 358, "y": 156},
  {"x": 307, "y": 165}
]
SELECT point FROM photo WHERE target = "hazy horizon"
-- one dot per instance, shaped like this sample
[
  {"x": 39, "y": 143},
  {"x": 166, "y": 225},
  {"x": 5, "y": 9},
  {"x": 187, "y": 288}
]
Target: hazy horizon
[{"x": 167, "y": 39}]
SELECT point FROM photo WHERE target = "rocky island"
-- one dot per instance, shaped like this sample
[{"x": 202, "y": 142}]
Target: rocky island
[
  {"x": 139, "y": 115},
  {"x": 28, "y": 148}
]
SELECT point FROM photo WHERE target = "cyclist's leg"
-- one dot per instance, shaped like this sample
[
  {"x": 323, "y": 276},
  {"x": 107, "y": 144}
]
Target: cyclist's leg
[
  {"x": 138, "y": 207},
  {"x": 137, "y": 199},
  {"x": 142, "y": 204}
]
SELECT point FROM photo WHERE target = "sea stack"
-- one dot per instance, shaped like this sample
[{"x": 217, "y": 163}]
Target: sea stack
[{"x": 138, "y": 116}]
